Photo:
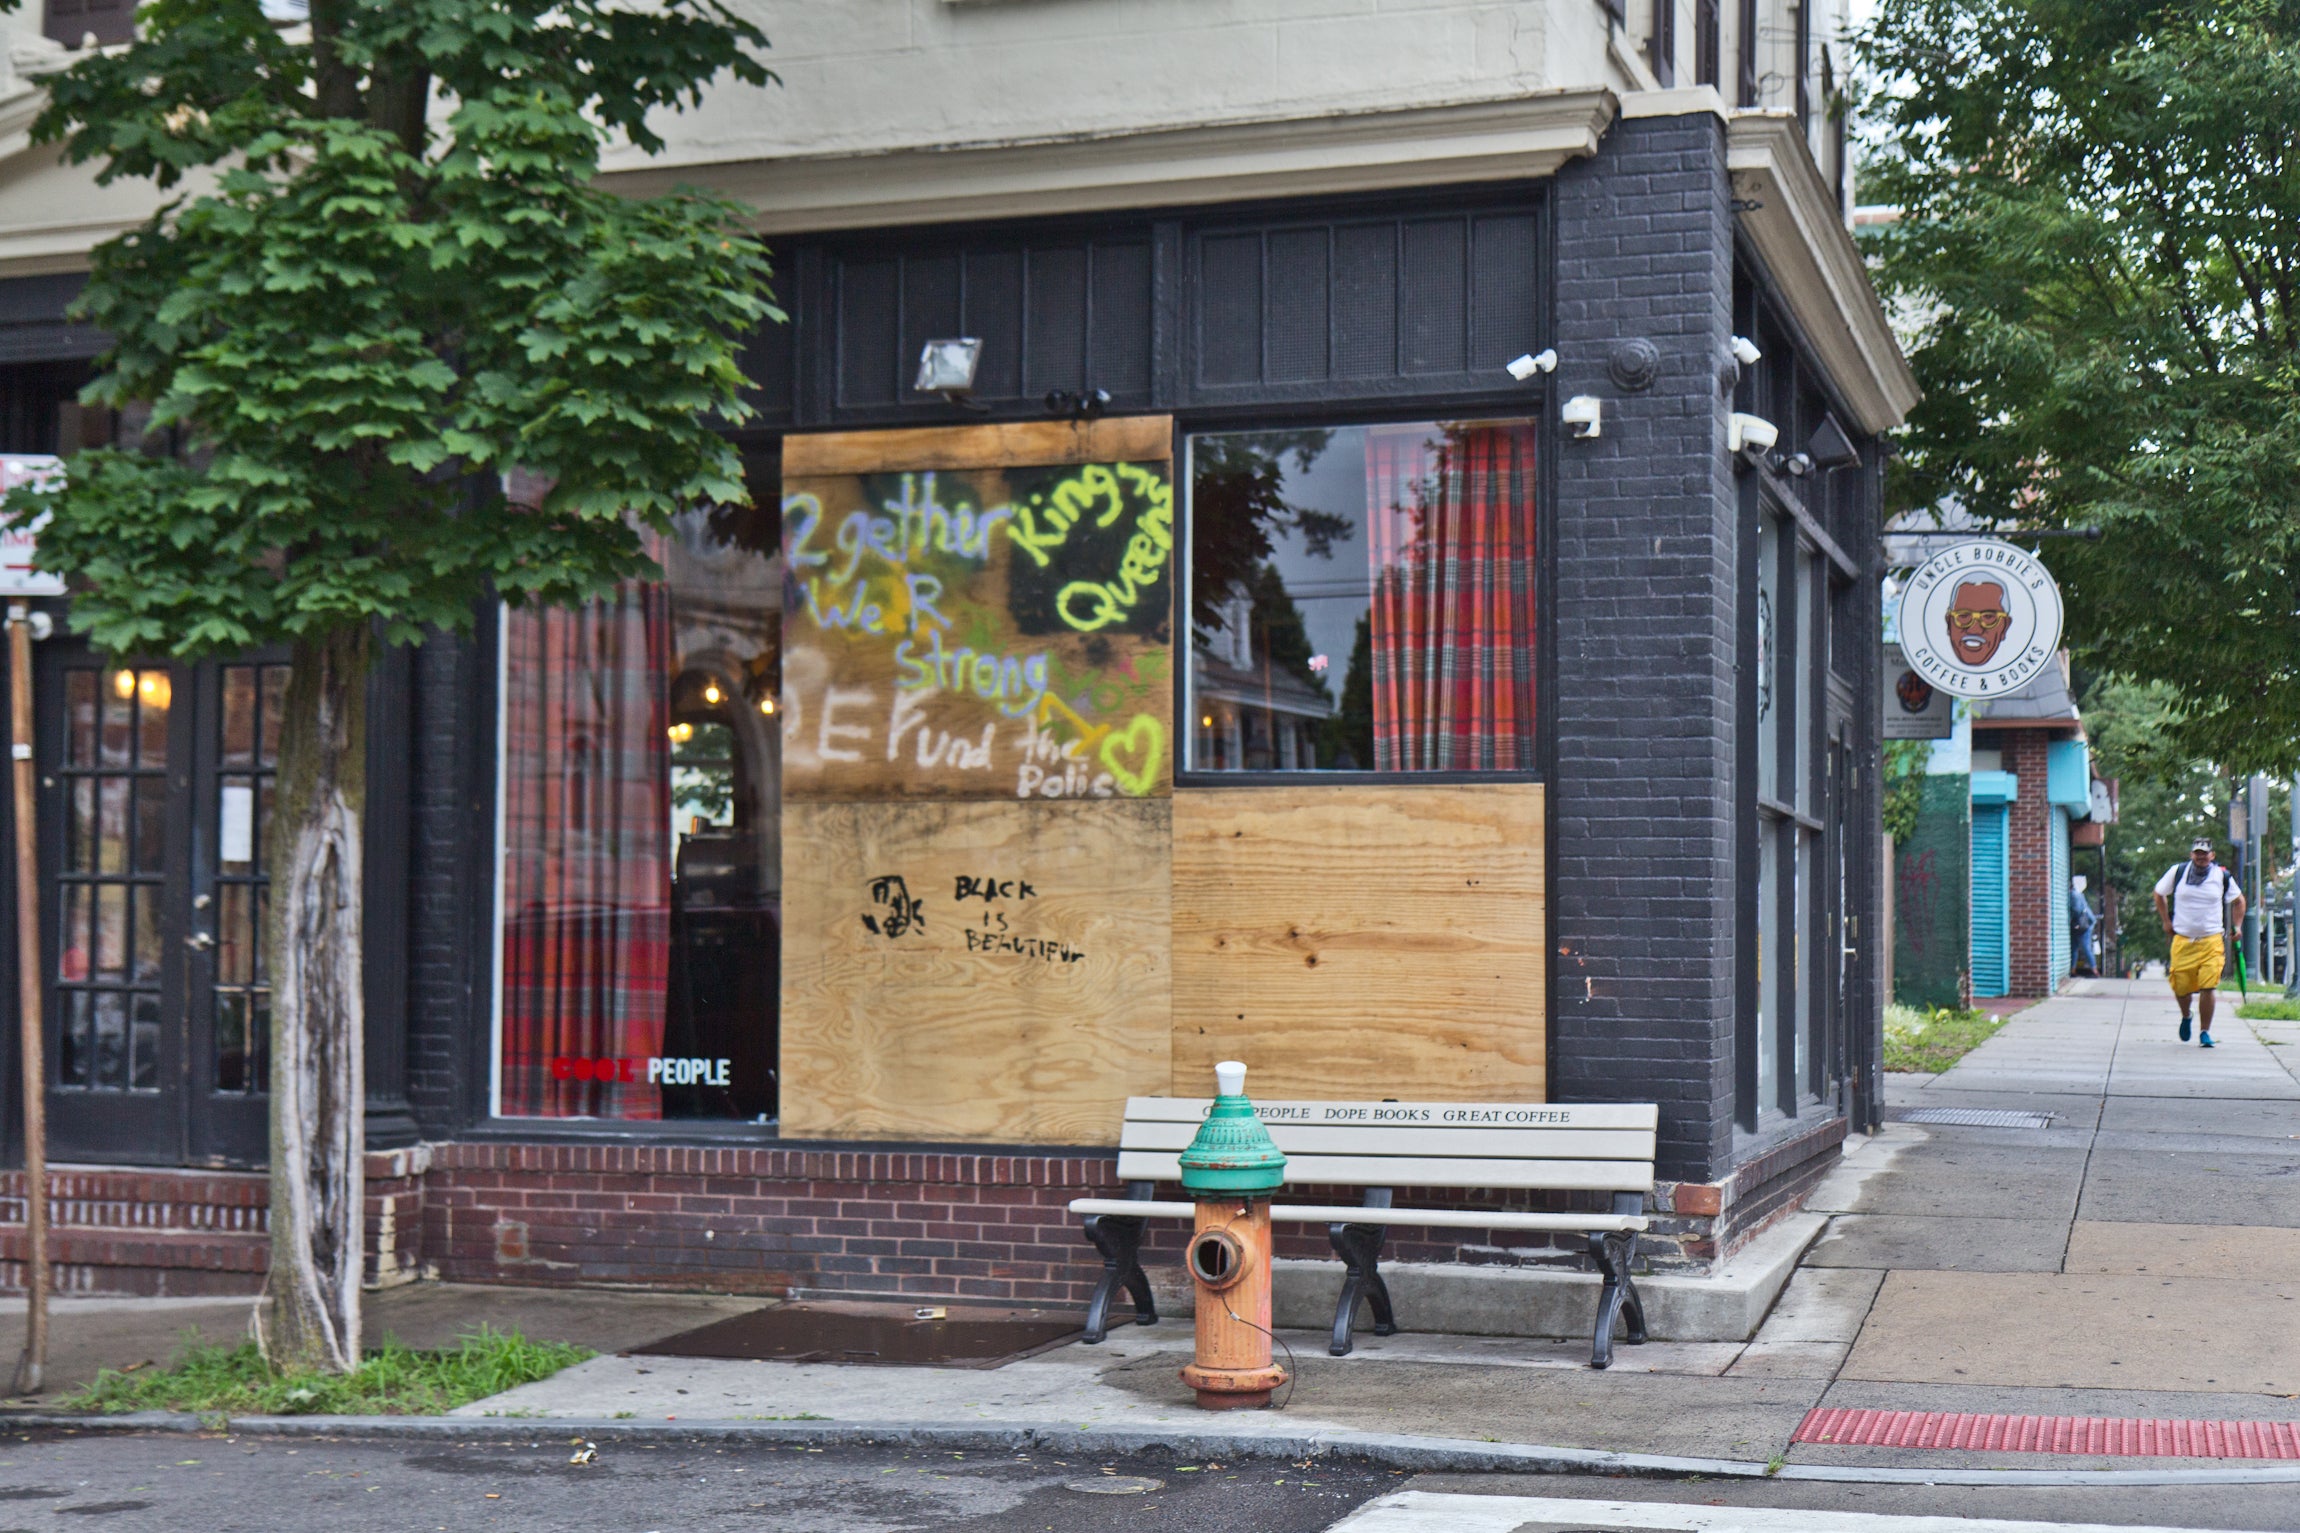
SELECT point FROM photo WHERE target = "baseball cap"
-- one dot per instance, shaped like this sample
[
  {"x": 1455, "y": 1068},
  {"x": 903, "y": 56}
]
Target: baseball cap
[{"x": 2201, "y": 844}]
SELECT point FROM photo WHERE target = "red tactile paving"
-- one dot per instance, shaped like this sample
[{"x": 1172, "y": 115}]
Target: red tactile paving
[{"x": 2105, "y": 1436}]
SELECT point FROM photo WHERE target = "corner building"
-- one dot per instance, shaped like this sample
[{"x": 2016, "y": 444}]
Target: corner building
[{"x": 1246, "y": 662}]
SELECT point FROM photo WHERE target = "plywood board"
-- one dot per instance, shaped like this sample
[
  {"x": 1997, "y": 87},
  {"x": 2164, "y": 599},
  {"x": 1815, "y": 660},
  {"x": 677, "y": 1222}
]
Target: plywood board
[
  {"x": 989, "y": 630},
  {"x": 973, "y": 971},
  {"x": 1363, "y": 941},
  {"x": 1117, "y": 439}
]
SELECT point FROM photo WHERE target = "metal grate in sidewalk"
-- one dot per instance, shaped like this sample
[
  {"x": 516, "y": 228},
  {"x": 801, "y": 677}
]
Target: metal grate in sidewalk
[
  {"x": 1977, "y": 1117},
  {"x": 2104, "y": 1436}
]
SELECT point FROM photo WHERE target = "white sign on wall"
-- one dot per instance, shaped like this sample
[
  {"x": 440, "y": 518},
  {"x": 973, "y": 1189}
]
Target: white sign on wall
[
  {"x": 17, "y": 577},
  {"x": 1915, "y": 709},
  {"x": 1980, "y": 619}
]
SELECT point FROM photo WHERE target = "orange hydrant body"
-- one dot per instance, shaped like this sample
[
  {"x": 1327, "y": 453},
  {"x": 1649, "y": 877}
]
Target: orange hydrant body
[{"x": 1229, "y": 1262}]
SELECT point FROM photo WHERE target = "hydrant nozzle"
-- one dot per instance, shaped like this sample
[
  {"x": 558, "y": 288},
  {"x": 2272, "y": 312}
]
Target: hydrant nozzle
[{"x": 1231, "y": 1168}]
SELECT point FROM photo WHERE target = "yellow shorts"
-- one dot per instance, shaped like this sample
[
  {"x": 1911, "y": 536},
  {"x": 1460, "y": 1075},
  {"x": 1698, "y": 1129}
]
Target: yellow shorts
[{"x": 2196, "y": 964}]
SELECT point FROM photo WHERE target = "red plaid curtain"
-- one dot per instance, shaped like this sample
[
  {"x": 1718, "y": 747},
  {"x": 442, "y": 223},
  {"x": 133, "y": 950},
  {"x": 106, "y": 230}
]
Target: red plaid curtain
[
  {"x": 586, "y": 854},
  {"x": 1450, "y": 513}
]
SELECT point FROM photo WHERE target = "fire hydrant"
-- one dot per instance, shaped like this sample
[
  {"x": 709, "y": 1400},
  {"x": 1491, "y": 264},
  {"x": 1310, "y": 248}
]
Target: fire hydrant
[{"x": 1231, "y": 1168}]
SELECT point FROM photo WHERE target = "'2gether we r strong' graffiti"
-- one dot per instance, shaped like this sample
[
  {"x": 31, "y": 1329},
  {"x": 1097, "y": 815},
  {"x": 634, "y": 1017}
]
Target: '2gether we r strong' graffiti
[{"x": 982, "y": 633}]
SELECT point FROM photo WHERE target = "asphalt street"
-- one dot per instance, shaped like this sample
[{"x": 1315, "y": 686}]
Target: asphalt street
[{"x": 54, "y": 1482}]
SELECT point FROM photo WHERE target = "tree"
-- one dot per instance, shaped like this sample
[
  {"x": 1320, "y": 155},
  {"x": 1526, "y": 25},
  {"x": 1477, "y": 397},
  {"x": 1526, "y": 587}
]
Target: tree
[
  {"x": 386, "y": 279},
  {"x": 2099, "y": 241}
]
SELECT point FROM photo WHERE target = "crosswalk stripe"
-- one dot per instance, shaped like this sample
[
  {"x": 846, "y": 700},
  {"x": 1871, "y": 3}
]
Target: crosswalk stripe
[{"x": 1421, "y": 1511}]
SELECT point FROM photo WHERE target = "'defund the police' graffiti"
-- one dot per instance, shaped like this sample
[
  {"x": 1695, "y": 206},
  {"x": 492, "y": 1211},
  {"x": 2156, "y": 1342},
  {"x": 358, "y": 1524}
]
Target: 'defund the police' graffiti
[{"x": 989, "y": 633}]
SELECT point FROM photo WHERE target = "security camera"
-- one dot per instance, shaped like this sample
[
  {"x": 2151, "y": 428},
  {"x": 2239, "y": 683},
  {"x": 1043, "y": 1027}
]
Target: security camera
[
  {"x": 1747, "y": 431},
  {"x": 1745, "y": 351},
  {"x": 1582, "y": 416},
  {"x": 1533, "y": 362},
  {"x": 1798, "y": 465}
]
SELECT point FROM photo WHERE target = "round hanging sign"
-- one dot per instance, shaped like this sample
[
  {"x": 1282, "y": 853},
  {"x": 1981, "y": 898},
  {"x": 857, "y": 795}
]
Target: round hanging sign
[{"x": 1980, "y": 619}]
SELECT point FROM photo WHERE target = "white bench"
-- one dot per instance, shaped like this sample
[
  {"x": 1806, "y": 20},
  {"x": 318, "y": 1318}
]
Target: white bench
[{"x": 1380, "y": 1147}]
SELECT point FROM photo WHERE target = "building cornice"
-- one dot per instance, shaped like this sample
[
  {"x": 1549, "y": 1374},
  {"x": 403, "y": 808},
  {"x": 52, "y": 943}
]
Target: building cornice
[
  {"x": 1514, "y": 138},
  {"x": 1798, "y": 228}
]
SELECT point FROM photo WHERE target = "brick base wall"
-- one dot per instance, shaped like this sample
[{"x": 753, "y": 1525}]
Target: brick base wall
[{"x": 777, "y": 1222}]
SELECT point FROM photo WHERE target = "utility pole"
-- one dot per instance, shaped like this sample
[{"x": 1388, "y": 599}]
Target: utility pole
[
  {"x": 2292, "y": 963},
  {"x": 2256, "y": 833},
  {"x": 32, "y": 1367}
]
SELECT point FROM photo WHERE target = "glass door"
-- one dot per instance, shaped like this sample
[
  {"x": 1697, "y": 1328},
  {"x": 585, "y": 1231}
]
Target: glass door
[
  {"x": 113, "y": 757},
  {"x": 236, "y": 759}
]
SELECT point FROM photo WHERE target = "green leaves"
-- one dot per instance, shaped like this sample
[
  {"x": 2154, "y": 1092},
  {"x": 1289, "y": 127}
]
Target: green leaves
[
  {"x": 361, "y": 317},
  {"x": 2101, "y": 227}
]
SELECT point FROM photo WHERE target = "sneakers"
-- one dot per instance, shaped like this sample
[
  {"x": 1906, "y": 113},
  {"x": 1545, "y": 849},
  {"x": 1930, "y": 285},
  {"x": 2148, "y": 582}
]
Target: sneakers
[
  {"x": 2184, "y": 1027},
  {"x": 2204, "y": 1040}
]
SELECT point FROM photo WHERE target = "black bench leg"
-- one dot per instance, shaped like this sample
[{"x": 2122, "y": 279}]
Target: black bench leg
[
  {"x": 1613, "y": 1254},
  {"x": 1360, "y": 1248},
  {"x": 1119, "y": 1239}
]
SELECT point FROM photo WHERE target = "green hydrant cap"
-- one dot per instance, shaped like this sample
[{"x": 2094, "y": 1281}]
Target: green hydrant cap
[{"x": 1233, "y": 1152}]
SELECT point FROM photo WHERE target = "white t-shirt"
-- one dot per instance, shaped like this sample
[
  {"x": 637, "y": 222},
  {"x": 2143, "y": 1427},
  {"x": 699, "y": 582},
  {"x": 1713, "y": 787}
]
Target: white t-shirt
[{"x": 2195, "y": 913}]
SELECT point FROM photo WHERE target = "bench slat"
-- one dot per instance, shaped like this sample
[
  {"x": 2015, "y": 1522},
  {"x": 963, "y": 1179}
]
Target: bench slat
[
  {"x": 1321, "y": 1213},
  {"x": 1419, "y": 1171},
  {"x": 1454, "y": 1143},
  {"x": 1616, "y": 1115}
]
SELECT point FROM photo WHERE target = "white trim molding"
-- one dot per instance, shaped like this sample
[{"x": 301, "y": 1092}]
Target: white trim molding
[
  {"x": 1518, "y": 137},
  {"x": 1799, "y": 230}
]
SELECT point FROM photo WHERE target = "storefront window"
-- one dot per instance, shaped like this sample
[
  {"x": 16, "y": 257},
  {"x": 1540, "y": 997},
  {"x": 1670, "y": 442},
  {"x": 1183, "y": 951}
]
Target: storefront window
[
  {"x": 1362, "y": 598},
  {"x": 641, "y": 867}
]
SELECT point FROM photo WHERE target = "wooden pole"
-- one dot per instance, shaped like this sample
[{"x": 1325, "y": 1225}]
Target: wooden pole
[{"x": 32, "y": 1368}]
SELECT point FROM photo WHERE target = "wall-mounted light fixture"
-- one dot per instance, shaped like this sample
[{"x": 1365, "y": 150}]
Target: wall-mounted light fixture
[{"x": 947, "y": 367}]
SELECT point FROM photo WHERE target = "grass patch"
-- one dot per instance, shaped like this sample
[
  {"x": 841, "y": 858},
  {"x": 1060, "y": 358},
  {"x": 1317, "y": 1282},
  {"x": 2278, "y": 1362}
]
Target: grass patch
[
  {"x": 2270, "y": 1011},
  {"x": 1928, "y": 1042},
  {"x": 392, "y": 1381}
]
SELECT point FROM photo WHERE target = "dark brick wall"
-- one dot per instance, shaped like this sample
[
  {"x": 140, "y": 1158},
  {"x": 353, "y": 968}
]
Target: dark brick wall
[
  {"x": 1642, "y": 869},
  {"x": 451, "y": 866}
]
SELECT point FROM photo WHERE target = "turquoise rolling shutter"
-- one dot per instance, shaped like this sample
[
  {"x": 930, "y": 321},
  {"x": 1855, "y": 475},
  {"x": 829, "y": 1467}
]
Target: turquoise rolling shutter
[
  {"x": 1992, "y": 939},
  {"x": 2060, "y": 934}
]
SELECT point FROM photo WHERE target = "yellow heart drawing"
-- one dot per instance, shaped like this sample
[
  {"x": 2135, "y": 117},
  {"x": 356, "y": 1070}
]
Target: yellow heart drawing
[{"x": 1145, "y": 738}]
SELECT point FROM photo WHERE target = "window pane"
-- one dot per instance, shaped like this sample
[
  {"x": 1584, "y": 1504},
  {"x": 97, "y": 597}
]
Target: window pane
[
  {"x": 151, "y": 824},
  {"x": 111, "y": 930},
  {"x": 1768, "y": 1041},
  {"x": 154, "y": 692},
  {"x": 111, "y": 1048},
  {"x": 275, "y": 681},
  {"x": 112, "y": 825},
  {"x": 1768, "y": 644},
  {"x": 80, "y": 826},
  {"x": 1362, "y": 598},
  {"x": 239, "y": 715},
  {"x": 72, "y": 948},
  {"x": 235, "y": 935},
  {"x": 1811, "y": 666},
  {"x": 641, "y": 855},
  {"x": 231, "y": 1040},
  {"x": 118, "y": 741},
  {"x": 146, "y": 951},
  {"x": 74, "y": 1058},
  {"x": 80, "y": 717},
  {"x": 144, "y": 1043}
]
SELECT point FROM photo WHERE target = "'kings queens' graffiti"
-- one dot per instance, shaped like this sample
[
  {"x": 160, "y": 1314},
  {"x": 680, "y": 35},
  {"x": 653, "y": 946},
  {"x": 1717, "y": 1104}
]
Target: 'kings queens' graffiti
[{"x": 984, "y": 633}]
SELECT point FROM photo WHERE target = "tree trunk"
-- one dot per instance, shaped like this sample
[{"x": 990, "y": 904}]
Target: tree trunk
[{"x": 309, "y": 1315}]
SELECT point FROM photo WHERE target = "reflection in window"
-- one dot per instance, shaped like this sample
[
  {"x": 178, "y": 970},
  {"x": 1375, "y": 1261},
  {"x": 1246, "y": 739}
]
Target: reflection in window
[
  {"x": 641, "y": 862},
  {"x": 1362, "y": 599}
]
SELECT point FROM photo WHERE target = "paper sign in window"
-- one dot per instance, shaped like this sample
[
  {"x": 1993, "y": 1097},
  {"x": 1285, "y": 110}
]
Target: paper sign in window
[{"x": 236, "y": 830}]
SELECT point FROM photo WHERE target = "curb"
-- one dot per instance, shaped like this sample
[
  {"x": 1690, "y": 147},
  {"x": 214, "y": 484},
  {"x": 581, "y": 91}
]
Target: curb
[{"x": 1422, "y": 1455}]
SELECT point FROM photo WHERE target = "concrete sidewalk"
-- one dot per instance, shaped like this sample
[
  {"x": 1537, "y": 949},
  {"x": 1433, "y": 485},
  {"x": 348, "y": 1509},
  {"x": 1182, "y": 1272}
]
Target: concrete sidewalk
[{"x": 2139, "y": 1256}]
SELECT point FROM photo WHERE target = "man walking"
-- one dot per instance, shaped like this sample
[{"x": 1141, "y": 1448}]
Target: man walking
[
  {"x": 2191, "y": 900},
  {"x": 2081, "y": 921}
]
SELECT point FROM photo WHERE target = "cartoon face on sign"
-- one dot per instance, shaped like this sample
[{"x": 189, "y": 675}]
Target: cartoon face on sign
[
  {"x": 1977, "y": 622},
  {"x": 1980, "y": 619}
]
